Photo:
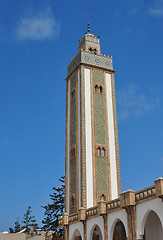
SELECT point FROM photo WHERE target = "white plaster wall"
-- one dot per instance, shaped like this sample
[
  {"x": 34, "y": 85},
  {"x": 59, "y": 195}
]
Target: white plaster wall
[
  {"x": 88, "y": 133},
  {"x": 73, "y": 228},
  {"x": 68, "y": 147},
  {"x": 91, "y": 224},
  {"x": 112, "y": 220},
  {"x": 142, "y": 211},
  {"x": 112, "y": 153},
  {"x": 79, "y": 161}
]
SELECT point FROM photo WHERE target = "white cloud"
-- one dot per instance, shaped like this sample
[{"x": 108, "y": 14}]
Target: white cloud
[
  {"x": 133, "y": 103},
  {"x": 38, "y": 25},
  {"x": 156, "y": 12},
  {"x": 156, "y": 9}
]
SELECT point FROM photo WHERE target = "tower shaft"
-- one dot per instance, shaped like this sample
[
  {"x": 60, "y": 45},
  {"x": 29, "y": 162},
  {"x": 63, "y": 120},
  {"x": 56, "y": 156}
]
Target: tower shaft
[{"x": 92, "y": 150}]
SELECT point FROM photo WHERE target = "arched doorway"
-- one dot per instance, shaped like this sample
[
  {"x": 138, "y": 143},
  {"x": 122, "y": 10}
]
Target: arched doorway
[
  {"x": 97, "y": 235},
  {"x": 76, "y": 235},
  {"x": 119, "y": 231},
  {"x": 153, "y": 227}
]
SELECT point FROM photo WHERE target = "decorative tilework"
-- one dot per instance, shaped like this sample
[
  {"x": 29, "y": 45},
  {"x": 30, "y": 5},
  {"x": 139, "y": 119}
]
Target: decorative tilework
[
  {"x": 102, "y": 179},
  {"x": 116, "y": 136},
  {"x": 98, "y": 76},
  {"x": 73, "y": 122},
  {"x": 73, "y": 111},
  {"x": 73, "y": 80},
  {"x": 74, "y": 63},
  {"x": 92, "y": 59},
  {"x": 95, "y": 40},
  {"x": 73, "y": 184},
  {"x": 100, "y": 137},
  {"x": 97, "y": 60},
  {"x": 73, "y": 176},
  {"x": 100, "y": 121}
]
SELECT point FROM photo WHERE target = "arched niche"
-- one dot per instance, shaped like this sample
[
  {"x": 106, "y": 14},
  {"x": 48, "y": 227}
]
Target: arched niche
[
  {"x": 76, "y": 235},
  {"x": 119, "y": 232},
  {"x": 96, "y": 233},
  {"x": 153, "y": 227}
]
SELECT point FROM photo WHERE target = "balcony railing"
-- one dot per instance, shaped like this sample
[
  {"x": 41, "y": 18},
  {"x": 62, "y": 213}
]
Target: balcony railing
[
  {"x": 91, "y": 212},
  {"x": 141, "y": 195},
  {"x": 145, "y": 193},
  {"x": 113, "y": 204},
  {"x": 73, "y": 218}
]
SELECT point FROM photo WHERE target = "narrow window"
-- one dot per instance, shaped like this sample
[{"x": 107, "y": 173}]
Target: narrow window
[
  {"x": 101, "y": 89},
  {"x": 72, "y": 201},
  {"x": 99, "y": 151},
  {"x": 103, "y": 197},
  {"x": 103, "y": 152},
  {"x": 96, "y": 88},
  {"x": 95, "y": 51},
  {"x": 73, "y": 152},
  {"x": 73, "y": 93}
]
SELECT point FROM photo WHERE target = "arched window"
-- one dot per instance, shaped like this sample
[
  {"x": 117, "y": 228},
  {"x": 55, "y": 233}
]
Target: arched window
[
  {"x": 96, "y": 88},
  {"x": 101, "y": 89},
  {"x": 95, "y": 51},
  {"x": 103, "y": 197},
  {"x": 96, "y": 235},
  {"x": 98, "y": 151},
  {"x": 72, "y": 152},
  {"x": 73, "y": 93},
  {"x": 103, "y": 152},
  {"x": 119, "y": 231},
  {"x": 72, "y": 201}
]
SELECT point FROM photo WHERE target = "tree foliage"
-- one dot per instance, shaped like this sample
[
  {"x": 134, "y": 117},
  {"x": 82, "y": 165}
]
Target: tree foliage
[
  {"x": 17, "y": 227},
  {"x": 55, "y": 209},
  {"x": 29, "y": 222}
]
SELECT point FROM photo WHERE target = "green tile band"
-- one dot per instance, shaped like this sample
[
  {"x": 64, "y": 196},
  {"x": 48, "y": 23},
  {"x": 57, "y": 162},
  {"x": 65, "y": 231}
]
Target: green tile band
[{"x": 102, "y": 179}]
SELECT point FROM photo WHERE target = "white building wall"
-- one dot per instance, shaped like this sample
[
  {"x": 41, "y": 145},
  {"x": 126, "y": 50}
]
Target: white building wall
[
  {"x": 76, "y": 227},
  {"x": 79, "y": 160},
  {"x": 112, "y": 219},
  {"x": 142, "y": 211},
  {"x": 154, "y": 227},
  {"x": 112, "y": 153},
  {"x": 91, "y": 223},
  {"x": 88, "y": 132},
  {"x": 68, "y": 147}
]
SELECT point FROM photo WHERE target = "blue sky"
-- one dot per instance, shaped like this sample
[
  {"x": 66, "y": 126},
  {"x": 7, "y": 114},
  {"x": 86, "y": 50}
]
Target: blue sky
[{"x": 38, "y": 38}]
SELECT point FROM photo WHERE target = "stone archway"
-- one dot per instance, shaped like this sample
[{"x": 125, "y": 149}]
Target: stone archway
[
  {"x": 119, "y": 231},
  {"x": 96, "y": 235},
  {"x": 153, "y": 227},
  {"x": 76, "y": 235}
]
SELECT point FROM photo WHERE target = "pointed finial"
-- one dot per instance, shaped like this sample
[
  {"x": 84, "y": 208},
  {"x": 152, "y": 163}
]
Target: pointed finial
[{"x": 88, "y": 28}]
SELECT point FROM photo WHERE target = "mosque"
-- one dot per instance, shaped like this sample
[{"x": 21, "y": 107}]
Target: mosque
[{"x": 95, "y": 207}]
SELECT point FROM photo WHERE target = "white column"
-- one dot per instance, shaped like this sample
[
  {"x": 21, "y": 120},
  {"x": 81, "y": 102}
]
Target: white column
[
  {"x": 68, "y": 148},
  {"x": 79, "y": 161},
  {"x": 112, "y": 153},
  {"x": 88, "y": 133}
]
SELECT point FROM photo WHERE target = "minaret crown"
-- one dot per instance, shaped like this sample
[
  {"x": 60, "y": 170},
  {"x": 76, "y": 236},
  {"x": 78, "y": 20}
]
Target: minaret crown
[{"x": 90, "y": 43}]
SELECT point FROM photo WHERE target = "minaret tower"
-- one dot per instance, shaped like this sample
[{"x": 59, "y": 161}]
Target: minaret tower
[{"x": 92, "y": 150}]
